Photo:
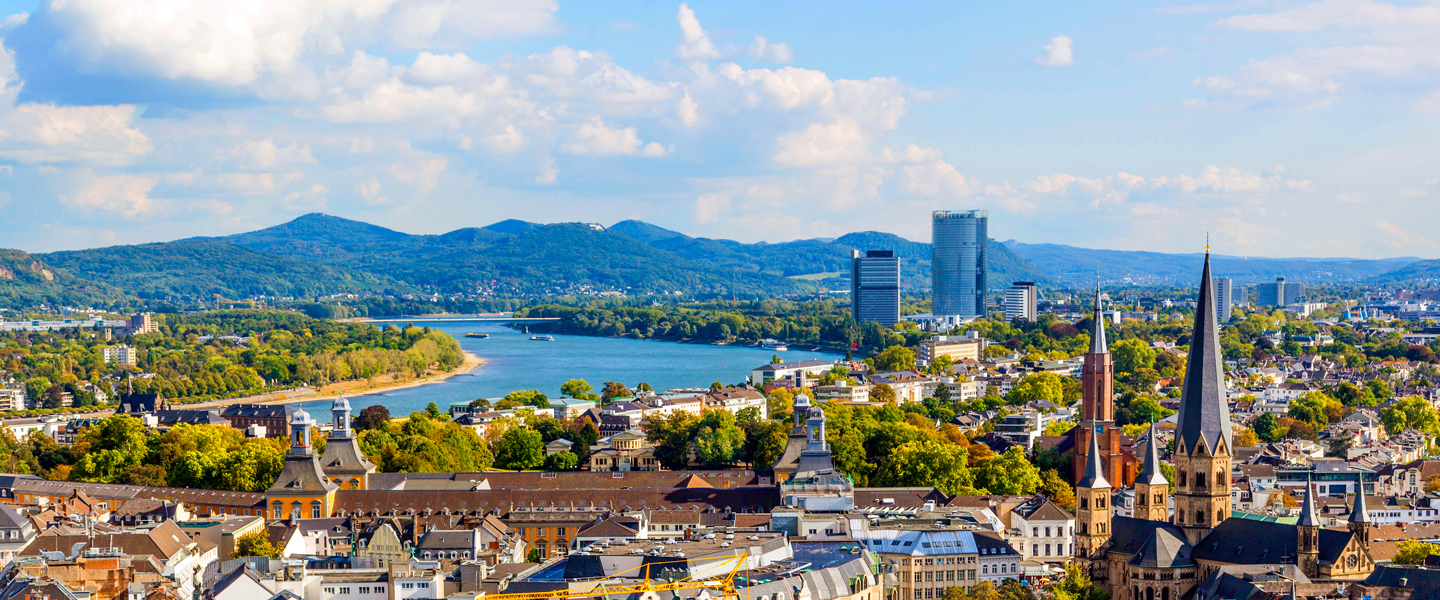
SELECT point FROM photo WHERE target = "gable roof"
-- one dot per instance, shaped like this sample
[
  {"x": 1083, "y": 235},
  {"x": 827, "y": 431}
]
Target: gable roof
[
  {"x": 1248, "y": 542},
  {"x": 1163, "y": 549}
]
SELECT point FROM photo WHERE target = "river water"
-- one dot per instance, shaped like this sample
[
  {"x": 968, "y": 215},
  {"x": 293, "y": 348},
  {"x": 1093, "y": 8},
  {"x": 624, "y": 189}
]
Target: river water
[{"x": 515, "y": 362}]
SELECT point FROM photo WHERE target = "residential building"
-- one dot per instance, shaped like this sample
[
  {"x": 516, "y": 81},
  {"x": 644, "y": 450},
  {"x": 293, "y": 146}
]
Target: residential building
[
  {"x": 1020, "y": 301},
  {"x": 12, "y": 398},
  {"x": 925, "y": 562},
  {"x": 140, "y": 323},
  {"x": 137, "y": 405},
  {"x": 122, "y": 355},
  {"x": 843, "y": 391},
  {"x": 16, "y": 532},
  {"x": 875, "y": 287},
  {"x": 793, "y": 372},
  {"x": 623, "y": 452},
  {"x": 273, "y": 418},
  {"x": 1022, "y": 428},
  {"x": 1042, "y": 531},
  {"x": 957, "y": 348},
  {"x": 1279, "y": 293},
  {"x": 1224, "y": 297},
  {"x": 960, "y": 247},
  {"x": 909, "y": 386}
]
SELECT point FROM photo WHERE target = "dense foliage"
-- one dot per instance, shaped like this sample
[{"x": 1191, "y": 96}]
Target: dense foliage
[{"x": 221, "y": 354}]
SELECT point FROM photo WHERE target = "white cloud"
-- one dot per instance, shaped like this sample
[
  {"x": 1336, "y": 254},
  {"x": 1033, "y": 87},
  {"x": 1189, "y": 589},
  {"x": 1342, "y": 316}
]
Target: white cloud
[
  {"x": 418, "y": 23},
  {"x": 265, "y": 154},
  {"x": 422, "y": 171},
  {"x": 594, "y": 137},
  {"x": 441, "y": 69},
  {"x": 1429, "y": 104},
  {"x": 369, "y": 191},
  {"x": 255, "y": 183},
  {"x": 580, "y": 74},
  {"x": 1058, "y": 53},
  {"x": 1398, "y": 238},
  {"x": 1350, "y": 198},
  {"x": 547, "y": 174},
  {"x": 820, "y": 144},
  {"x": 96, "y": 135},
  {"x": 310, "y": 200},
  {"x": 711, "y": 208},
  {"x": 764, "y": 49},
  {"x": 697, "y": 45},
  {"x": 123, "y": 195},
  {"x": 688, "y": 110},
  {"x": 935, "y": 179}
]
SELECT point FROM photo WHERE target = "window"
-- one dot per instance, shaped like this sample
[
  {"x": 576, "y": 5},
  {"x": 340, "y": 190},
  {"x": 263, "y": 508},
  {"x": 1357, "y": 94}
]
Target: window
[
  {"x": 1034, "y": 532},
  {"x": 344, "y": 590},
  {"x": 424, "y": 585},
  {"x": 1047, "y": 532},
  {"x": 379, "y": 589},
  {"x": 1034, "y": 549},
  {"x": 278, "y": 510},
  {"x": 407, "y": 586},
  {"x": 329, "y": 590},
  {"x": 1047, "y": 549},
  {"x": 364, "y": 590},
  {"x": 315, "y": 509}
]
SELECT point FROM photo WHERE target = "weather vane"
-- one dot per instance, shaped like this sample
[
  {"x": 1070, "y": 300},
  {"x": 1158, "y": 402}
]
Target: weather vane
[{"x": 1207, "y": 242}]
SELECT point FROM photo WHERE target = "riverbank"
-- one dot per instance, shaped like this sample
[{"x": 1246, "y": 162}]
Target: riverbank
[
  {"x": 801, "y": 346},
  {"x": 293, "y": 395}
]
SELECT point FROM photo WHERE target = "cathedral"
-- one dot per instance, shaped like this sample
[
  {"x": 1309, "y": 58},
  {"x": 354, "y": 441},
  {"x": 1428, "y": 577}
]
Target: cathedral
[
  {"x": 1097, "y": 410},
  {"x": 1154, "y": 556}
]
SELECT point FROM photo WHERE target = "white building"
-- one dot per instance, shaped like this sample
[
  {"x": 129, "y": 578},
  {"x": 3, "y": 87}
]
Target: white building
[
  {"x": 120, "y": 355},
  {"x": 12, "y": 399},
  {"x": 1042, "y": 531},
  {"x": 1020, "y": 301}
]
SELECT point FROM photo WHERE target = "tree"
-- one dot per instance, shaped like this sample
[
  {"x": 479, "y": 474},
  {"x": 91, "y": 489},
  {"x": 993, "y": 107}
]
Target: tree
[
  {"x": 1413, "y": 552},
  {"x": 718, "y": 441},
  {"x": 1009, "y": 474},
  {"x": 613, "y": 390},
  {"x": 374, "y": 417},
  {"x": 110, "y": 448},
  {"x": 1012, "y": 589},
  {"x": 930, "y": 463},
  {"x": 1037, "y": 386},
  {"x": 562, "y": 461},
  {"x": 1410, "y": 413},
  {"x": 1268, "y": 428},
  {"x": 520, "y": 448},
  {"x": 643, "y": 387},
  {"x": 256, "y": 543},
  {"x": 775, "y": 360},
  {"x": 940, "y": 364},
  {"x": 1075, "y": 586},
  {"x": 764, "y": 443},
  {"x": 717, "y": 386},
  {"x": 152, "y": 475},
  {"x": 1057, "y": 489},
  {"x": 1245, "y": 438},
  {"x": 672, "y": 436},
  {"x": 534, "y": 555},
  {"x": 882, "y": 392},
  {"x": 1132, "y": 355},
  {"x": 433, "y": 411},
  {"x": 1432, "y": 485},
  {"x": 480, "y": 404},
  {"x": 894, "y": 358},
  {"x": 576, "y": 388}
]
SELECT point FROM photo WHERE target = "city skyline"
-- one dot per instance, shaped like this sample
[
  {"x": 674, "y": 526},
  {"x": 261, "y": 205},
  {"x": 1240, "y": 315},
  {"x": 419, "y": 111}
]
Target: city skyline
[{"x": 1104, "y": 126}]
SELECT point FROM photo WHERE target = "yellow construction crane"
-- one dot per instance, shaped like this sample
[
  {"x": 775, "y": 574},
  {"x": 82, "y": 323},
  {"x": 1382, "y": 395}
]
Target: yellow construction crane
[{"x": 725, "y": 584}]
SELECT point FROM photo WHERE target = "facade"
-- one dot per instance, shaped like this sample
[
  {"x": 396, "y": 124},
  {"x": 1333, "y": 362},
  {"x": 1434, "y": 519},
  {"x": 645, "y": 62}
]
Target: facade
[
  {"x": 343, "y": 462},
  {"x": 1020, "y": 301},
  {"x": 119, "y": 355},
  {"x": 960, "y": 247},
  {"x": 1042, "y": 531},
  {"x": 775, "y": 373},
  {"x": 302, "y": 491},
  {"x": 12, "y": 399},
  {"x": 1224, "y": 297},
  {"x": 1279, "y": 293},
  {"x": 958, "y": 348},
  {"x": 926, "y": 562},
  {"x": 875, "y": 287},
  {"x": 140, "y": 323},
  {"x": 623, "y": 452},
  {"x": 275, "y": 418}
]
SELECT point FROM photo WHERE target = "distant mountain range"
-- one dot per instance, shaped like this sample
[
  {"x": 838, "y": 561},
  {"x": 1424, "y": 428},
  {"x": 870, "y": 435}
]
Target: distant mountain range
[{"x": 319, "y": 254}]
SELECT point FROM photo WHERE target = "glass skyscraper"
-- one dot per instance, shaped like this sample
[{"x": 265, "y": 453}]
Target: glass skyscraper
[
  {"x": 875, "y": 287},
  {"x": 959, "y": 242}
]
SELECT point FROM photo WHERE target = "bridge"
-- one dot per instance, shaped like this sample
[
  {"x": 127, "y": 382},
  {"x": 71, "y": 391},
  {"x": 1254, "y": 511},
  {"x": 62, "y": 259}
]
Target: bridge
[{"x": 456, "y": 319}]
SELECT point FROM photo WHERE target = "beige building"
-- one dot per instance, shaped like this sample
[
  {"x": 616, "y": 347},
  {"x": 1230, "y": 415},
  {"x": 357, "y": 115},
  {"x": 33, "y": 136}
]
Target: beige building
[
  {"x": 958, "y": 348},
  {"x": 384, "y": 547},
  {"x": 119, "y": 355},
  {"x": 623, "y": 452}
]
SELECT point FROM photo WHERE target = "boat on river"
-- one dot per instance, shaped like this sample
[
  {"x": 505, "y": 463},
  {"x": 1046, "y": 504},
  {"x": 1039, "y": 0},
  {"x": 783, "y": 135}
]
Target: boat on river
[
  {"x": 775, "y": 345},
  {"x": 542, "y": 338},
  {"x": 477, "y": 335}
]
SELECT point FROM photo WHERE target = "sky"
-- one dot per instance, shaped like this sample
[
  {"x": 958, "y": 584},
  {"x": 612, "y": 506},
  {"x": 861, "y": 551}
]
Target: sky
[{"x": 1278, "y": 128}]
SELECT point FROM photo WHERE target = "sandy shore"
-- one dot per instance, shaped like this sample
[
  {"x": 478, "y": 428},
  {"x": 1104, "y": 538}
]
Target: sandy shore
[{"x": 387, "y": 384}]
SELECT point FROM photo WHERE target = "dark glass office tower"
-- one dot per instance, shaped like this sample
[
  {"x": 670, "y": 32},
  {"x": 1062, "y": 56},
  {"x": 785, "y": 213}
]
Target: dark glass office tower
[
  {"x": 875, "y": 287},
  {"x": 959, "y": 243}
]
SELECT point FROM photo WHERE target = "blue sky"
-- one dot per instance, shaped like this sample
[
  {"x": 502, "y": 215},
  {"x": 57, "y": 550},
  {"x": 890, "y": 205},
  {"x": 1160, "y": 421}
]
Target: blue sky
[{"x": 1283, "y": 128}]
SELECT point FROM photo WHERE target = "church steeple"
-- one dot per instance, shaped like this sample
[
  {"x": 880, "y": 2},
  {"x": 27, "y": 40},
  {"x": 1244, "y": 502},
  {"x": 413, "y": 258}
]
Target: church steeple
[
  {"x": 1203, "y": 448},
  {"x": 1308, "y": 531},
  {"x": 1092, "y": 502},
  {"x": 1152, "y": 490},
  {"x": 1359, "y": 521},
  {"x": 1097, "y": 330}
]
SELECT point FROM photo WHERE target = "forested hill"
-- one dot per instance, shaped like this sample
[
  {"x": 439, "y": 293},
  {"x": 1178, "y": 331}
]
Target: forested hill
[{"x": 319, "y": 254}]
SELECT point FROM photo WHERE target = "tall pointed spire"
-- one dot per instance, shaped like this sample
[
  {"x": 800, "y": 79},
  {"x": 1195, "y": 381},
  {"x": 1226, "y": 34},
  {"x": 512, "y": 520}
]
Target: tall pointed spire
[
  {"x": 1360, "y": 513},
  {"x": 1150, "y": 472},
  {"x": 1097, "y": 329},
  {"x": 1094, "y": 469},
  {"x": 1307, "y": 511},
  {"x": 1204, "y": 413}
]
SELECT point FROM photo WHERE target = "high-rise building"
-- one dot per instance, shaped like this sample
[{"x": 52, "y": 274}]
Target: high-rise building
[
  {"x": 1237, "y": 296},
  {"x": 1224, "y": 297},
  {"x": 1020, "y": 301},
  {"x": 875, "y": 287},
  {"x": 959, "y": 245},
  {"x": 1279, "y": 293},
  {"x": 140, "y": 323}
]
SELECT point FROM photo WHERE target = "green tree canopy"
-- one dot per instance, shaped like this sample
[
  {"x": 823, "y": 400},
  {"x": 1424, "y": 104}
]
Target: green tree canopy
[{"x": 520, "y": 448}]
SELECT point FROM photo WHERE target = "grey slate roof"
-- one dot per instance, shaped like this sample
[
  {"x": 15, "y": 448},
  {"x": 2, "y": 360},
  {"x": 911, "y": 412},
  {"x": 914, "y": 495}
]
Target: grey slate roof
[
  {"x": 343, "y": 456},
  {"x": 1360, "y": 513},
  {"x": 1150, "y": 472},
  {"x": 1129, "y": 535},
  {"x": 1204, "y": 413},
  {"x": 1423, "y": 583},
  {"x": 189, "y": 417},
  {"x": 1307, "y": 511},
  {"x": 1163, "y": 549},
  {"x": 259, "y": 411},
  {"x": 300, "y": 475},
  {"x": 1251, "y": 542},
  {"x": 1094, "y": 471}
]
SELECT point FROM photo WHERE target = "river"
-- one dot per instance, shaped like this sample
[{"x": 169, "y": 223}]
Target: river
[{"x": 515, "y": 362}]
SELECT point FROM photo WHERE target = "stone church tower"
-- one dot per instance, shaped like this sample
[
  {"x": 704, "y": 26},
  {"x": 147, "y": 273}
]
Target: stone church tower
[
  {"x": 1152, "y": 490},
  {"x": 1092, "y": 508},
  {"x": 1203, "y": 446}
]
